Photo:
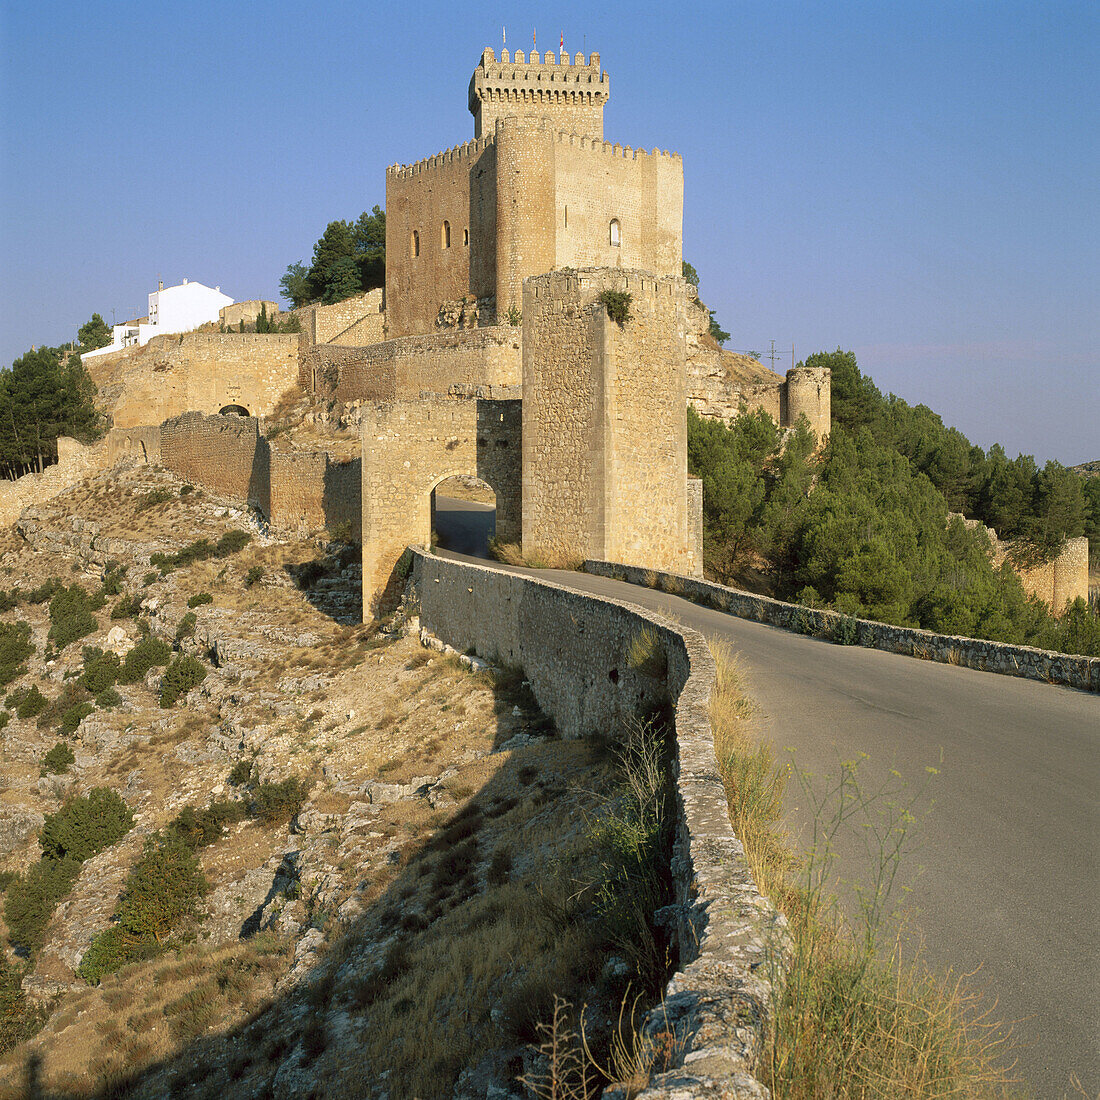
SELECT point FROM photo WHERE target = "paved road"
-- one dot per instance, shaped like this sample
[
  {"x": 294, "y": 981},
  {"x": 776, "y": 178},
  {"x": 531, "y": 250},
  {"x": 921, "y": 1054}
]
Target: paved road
[{"x": 1011, "y": 880}]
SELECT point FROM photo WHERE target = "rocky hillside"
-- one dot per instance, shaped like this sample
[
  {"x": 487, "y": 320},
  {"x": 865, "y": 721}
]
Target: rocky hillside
[
  {"x": 250, "y": 847},
  {"x": 1089, "y": 469}
]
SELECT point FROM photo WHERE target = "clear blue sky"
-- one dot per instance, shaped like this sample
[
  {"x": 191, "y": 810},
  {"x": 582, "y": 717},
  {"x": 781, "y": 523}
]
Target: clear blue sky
[{"x": 916, "y": 181}]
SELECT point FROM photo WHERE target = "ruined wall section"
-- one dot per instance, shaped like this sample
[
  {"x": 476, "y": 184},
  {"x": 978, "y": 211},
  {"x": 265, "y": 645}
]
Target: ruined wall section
[
  {"x": 409, "y": 447},
  {"x": 248, "y": 312},
  {"x": 604, "y": 432},
  {"x": 807, "y": 392},
  {"x": 412, "y": 365},
  {"x": 201, "y": 372},
  {"x": 354, "y": 322},
  {"x": 422, "y": 270},
  {"x": 75, "y": 461}
]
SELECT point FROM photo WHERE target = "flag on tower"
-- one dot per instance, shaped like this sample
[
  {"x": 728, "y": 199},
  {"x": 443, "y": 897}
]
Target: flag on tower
[
  {"x": 504, "y": 36},
  {"x": 561, "y": 44},
  {"x": 534, "y": 43}
]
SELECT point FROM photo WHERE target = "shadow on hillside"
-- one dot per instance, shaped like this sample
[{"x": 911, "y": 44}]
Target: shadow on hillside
[
  {"x": 332, "y": 581},
  {"x": 489, "y": 914}
]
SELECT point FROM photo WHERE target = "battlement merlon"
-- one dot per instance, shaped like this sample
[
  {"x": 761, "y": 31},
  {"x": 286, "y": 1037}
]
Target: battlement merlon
[{"x": 572, "y": 94}]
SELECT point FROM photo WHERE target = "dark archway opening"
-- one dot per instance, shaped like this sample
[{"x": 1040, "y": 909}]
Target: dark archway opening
[
  {"x": 464, "y": 515},
  {"x": 233, "y": 410}
]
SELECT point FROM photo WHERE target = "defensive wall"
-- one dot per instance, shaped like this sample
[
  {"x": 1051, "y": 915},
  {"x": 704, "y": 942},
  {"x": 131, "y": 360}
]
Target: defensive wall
[
  {"x": 574, "y": 651},
  {"x": 409, "y": 447},
  {"x": 248, "y": 312},
  {"x": 525, "y": 199},
  {"x": 413, "y": 365},
  {"x": 206, "y": 372},
  {"x": 75, "y": 461},
  {"x": 229, "y": 456},
  {"x": 604, "y": 429},
  {"x": 1010, "y": 660},
  {"x": 354, "y": 322}
]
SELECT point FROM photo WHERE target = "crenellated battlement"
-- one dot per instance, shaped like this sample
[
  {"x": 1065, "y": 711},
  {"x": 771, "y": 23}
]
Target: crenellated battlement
[
  {"x": 587, "y": 283},
  {"x": 466, "y": 151}
]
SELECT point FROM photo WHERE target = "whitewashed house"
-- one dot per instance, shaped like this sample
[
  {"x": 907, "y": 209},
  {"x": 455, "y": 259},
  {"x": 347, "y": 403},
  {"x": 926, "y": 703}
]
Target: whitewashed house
[{"x": 172, "y": 309}]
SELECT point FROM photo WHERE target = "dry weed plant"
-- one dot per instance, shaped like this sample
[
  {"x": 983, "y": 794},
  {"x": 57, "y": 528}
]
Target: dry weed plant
[{"x": 856, "y": 1014}]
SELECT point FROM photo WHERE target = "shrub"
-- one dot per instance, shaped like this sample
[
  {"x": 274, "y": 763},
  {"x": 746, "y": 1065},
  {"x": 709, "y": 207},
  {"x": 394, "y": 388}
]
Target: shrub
[
  {"x": 73, "y": 717},
  {"x": 255, "y": 575},
  {"x": 31, "y": 703},
  {"x": 58, "y": 759},
  {"x": 232, "y": 542},
  {"x": 148, "y": 652},
  {"x": 186, "y": 627},
  {"x": 101, "y": 670},
  {"x": 71, "y": 615},
  {"x": 5, "y": 718},
  {"x": 71, "y": 694},
  {"x": 85, "y": 826},
  {"x": 149, "y": 578},
  {"x": 127, "y": 607},
  {"x": 199, "y": 599},
  {"x": 846, "y": 631},
  {"x": 108, "y": 698},
  {"x": 44, "y": 591},
  {"x": 112, "y": 578},
  {"x": 15, "y": 648},
  {"x": 617, "y": 304},
  {"x": 278, "y": 802},
  {"x": 182, "y": 674},
  {"x": 241, "y": 773},
  {"x": 18, "y": 1020},
  {"x": 197, "y": 829},
  {"x": 31, "y": 898},
  {"x": 153, "y": 498}
]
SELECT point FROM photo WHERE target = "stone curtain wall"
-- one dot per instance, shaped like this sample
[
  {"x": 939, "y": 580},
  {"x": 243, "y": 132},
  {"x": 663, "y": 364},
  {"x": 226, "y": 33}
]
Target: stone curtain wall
[
  {"x": 1062, "y": 580},
  {"x": 409, "y": 447},
  {"x": 74, "y": 463},
  {"x": 247, "y": 312},
  {"x": 407, "y": 367},
  {"x": 1009, "y": 660},
  {"x": 354, "y": 322},
  {"x": 604, "y": 433},
  {"x": 573, "y": 649},
  {"x": 296, "y": 490},
  {"x": 201, "y": 372},
  {"x": 137, "y": 444}
]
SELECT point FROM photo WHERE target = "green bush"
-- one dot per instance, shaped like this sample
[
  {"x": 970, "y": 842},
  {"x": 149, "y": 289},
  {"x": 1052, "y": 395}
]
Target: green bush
[
  {"x": 255, "y": 575},
  {"x": 44, "y": 591},
  {"x": 71, "y": 615},
  {"x": 127, "y": 607},
  {"x": 85, "y": 826},
  {"x": 71, "y": 695},
  {"x": 5, "y": 718},
  {"x": 109, "y": 951},
  {"x": 73, "y": 717},
  {"x": 15, "y": 648},
  {"x": 148, "y": 652},
  {"x": 112, "y": 578},
  {"x": 201, "y": 550},
  {"x": 198, "y": 828},
  {"x": 232, "y": 542},
  {"x": 18, "y": 1019},
  {"x": 149, "y": 578},
  {"x": 199, "y": 599},
  {"x": 277, "y": 802},
  {"x": 108, "y": 698},
  {"x": 182, "y": 674},
  {"x": 241, "y": 773},
  {"x": 31, "y": 898},
  {"x": 101, "y": 670},
  {"x": 186, "y": 627},
  {"x": 617, "y": 304},
  {"x": 31, "y": 703},
  {"x": 58, "y": 759},
  {"x": 153, "y": 498}
]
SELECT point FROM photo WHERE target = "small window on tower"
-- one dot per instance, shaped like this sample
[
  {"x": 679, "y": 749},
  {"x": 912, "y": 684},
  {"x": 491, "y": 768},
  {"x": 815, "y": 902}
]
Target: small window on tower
[
  {"x": 445, "y": 235},
  {"x": 616, "y": 238},
  {"x": 415, "y": 245},
  {"x": 567, "y": 217},
  {"x": 466, "y": 237}
]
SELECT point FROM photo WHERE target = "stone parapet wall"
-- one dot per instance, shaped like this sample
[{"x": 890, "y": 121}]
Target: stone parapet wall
[
  {"x": 574, "y": 651},
  {"x": 1000, "y": 657},
  {"x": 354, "y": 322},
  {"x": 411, "y": 365},
  {"x": 75, "y": 461}
]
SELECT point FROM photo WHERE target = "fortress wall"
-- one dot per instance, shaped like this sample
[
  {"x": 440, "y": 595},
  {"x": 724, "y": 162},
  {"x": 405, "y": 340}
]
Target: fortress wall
[
  {"x": 574, "y": 652},
  {"x": 247, "y": 312},
  {"x": 75, "y": 461},
  {"x": 604, "y": 433},
  {"x": 595, "y": 181},
  {"x": 353, "y": 322},
  {"x": 225, "y": 454},
  {"x": 310, "y": 490},
  {"x": 808, "y": 392},
  {"x": 458, "y": 186},
  {"x": 201, "y": 372},
  {"x": 1061, "y": 580},
  {"x": 141, "y": 444},
  {"x": 1001, "y": 657},
  {"x": 409, "y": 447},
  {"x": 413, "y": 365}
]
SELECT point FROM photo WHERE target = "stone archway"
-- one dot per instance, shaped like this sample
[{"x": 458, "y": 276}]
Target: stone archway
[
  {"x": 409, "y": 447},
  {"x": 233, "y": 410}
]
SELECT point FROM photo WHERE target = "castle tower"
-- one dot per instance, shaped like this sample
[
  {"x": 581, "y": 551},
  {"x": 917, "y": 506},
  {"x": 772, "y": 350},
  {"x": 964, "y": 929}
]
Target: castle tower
[{"x": 569, "y": 95}]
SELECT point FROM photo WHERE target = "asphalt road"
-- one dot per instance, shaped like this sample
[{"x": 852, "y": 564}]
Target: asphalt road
[{"x": 1009, "y": 836}]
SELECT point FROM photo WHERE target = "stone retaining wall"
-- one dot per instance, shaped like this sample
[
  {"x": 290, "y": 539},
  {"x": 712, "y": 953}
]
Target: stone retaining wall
[
  {"x": 1009, "y": 660},
  {"x": 573, "y": 649}
]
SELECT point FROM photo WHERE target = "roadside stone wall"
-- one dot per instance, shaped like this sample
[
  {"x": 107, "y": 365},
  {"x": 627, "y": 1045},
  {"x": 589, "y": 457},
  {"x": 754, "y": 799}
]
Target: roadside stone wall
[
  {"x": 74, "y": 462},
  {"x": 409, "y": 447},
  {"x": 604, "y": 431},
  {"x": 354, "y": 322},
  {"x": 407, "y": 367},
  {"x": 203, "y": 372},
  {"x": 573, "y": 649},
  {"x": 1009, "y": 660}
]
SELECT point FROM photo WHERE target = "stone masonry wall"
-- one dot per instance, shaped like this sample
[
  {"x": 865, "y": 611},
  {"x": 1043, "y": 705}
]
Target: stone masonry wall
[
  {"x": 354, "y": 322},
  {"x": 604, "y": 432},
  {"x": 196, "y": 372},
  {"x": 574, "y": 651},
  {"x": 74, "y": 463},
  {"x": 409, "y": 447},
  {"x": 407, "y": 367},
  {"x": 247, "y": 312},
  {"x": 1010, "y": 660}
]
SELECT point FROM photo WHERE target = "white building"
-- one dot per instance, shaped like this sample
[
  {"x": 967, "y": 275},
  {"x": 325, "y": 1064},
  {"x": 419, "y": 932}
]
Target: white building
[{"x": 172, "y": 309}]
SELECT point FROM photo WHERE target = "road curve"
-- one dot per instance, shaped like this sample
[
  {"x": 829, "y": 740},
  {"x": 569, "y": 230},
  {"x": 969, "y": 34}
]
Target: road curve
[{"x": 1011, "y": 879}]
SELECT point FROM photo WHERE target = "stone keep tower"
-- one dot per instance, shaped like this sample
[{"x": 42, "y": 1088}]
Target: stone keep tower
[{"x": 537, "y": 189}]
